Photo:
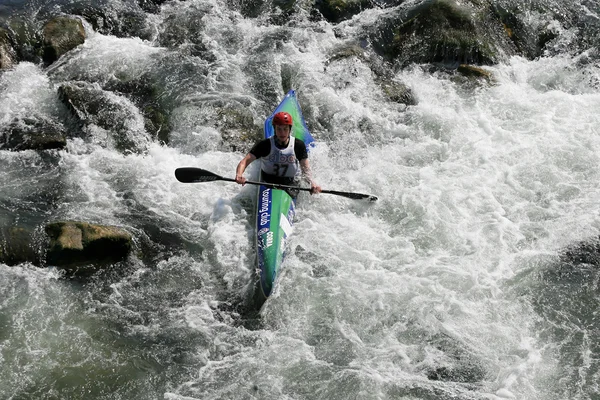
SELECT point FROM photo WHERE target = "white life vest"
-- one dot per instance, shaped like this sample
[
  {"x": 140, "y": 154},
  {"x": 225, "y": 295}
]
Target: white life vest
[{"x": 281, "y": 162}]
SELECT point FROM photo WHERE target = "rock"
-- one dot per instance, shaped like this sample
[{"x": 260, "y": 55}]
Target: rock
[
  {"x": 462, "y": 364},
  {"x": 443, "y": 31},
  {"x": 82, "y": 248},
  {"x": 393, "y": 90},
  {"x": 61, "y": 34},
  {"x": 530, "y": 39},
  {"x": 145, "y": 92},
  {"x": 33, "y": 134},
  {"x": 338, "y": 10},
  {"x": 16, "y": 246},
  {"x": 7, "y": 53},
  {"x": 27, "y": 39},
  {"x": 473, "y": 71},
  {"x": 107, "y": 118},
  {"x": 398, "y": 92}
]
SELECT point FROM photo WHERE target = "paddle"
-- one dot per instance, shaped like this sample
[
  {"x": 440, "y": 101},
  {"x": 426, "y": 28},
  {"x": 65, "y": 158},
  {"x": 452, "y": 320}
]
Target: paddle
[{"x": 193, "y": 175}]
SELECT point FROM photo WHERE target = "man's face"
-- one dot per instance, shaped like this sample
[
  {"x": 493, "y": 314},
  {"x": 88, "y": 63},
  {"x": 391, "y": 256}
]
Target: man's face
[{"x": 282, "y": 132}]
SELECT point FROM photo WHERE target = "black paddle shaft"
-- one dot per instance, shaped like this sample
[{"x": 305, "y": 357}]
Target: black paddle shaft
[{"x": 196, "y": 175}]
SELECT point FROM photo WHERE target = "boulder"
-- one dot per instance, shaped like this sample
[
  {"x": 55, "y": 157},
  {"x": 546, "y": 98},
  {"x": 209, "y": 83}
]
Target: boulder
[
  {"x": 82, "y": 248},
  {"x": 33, "y": 134},
  {"x": 61, "y": 34},
  {"x": 107, "y": 118},
  {"x": 443, "y": 31},
  {"x": 145, "y": 92},
  {"x": 7, "y": 53}
]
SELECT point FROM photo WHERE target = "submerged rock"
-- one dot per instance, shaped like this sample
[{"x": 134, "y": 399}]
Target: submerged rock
[
  {"x": 16, "y": 246},
  {"x": 461, "y": 363},
  {"x": 82, "y": 248},
  {"x": 398, "y": 92}
]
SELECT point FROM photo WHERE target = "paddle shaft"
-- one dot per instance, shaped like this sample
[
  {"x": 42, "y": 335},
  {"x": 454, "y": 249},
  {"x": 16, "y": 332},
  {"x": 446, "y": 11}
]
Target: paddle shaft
[{"x": 193, "y": 175}]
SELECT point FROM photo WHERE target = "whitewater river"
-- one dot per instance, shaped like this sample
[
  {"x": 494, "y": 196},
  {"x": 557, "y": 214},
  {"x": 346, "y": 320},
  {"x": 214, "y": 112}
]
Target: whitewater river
[{"x": 449, "y": 287}]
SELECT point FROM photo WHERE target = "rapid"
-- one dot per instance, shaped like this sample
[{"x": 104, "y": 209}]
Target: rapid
[{"x": 445, "y": 288}]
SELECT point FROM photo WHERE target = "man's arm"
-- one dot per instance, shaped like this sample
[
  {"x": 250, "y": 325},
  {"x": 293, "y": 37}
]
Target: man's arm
[
  {"x": 307, "y": 174},
  {"x": 239, "y": 171}
]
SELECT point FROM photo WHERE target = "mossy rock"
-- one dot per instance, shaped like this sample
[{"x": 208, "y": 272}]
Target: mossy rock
[
  {"x": 61, "y": 34},
  {"x": 442, "y": 31},
  {"x": 82, "y": 247}
]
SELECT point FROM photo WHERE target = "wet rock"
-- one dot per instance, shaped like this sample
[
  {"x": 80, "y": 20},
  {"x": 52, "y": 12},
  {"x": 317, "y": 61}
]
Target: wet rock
[
  {"x": 462, "y": 364},
  {"x": 530, "y": 39},
  {"x": 106, "y": 118},
  {"x": 16, "y": 246},
  {"x": 347, "y": 50},
  {"x": 83, "y": 248},
  {"x": 443, "y": 31},
  {"x": 27, "y": 40},
  {"x": 33, "y": 134},
  {"x": 238, "y": 130},
  {"x": 395, "y": 91},
  {"x": 7, "y": 53},
  {"x": 145, "y": 93},
  {"x": 473, "y": 71},
  {"x": 61, "y": 34},
  {"x": 339, "y": 10},
  {"x": 151, "y": 6},
  {"x": 129, "y": 22},
  {"x": 398, "y": 92}
]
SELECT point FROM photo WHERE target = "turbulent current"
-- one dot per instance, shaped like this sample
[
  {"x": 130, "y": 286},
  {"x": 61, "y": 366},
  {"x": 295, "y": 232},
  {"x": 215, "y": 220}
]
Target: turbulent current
[{"x": 451, "y": 286}]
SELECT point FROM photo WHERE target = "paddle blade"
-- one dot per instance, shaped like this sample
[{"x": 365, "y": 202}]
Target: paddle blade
[
  {"x": 191, "y": 175},
  {"x": 350, "y": 195}
]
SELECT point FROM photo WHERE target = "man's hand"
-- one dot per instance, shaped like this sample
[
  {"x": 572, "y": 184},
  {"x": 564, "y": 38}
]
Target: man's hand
[
  {"x": 314, "y": 188},
  {"x": 240, "y": 179}
]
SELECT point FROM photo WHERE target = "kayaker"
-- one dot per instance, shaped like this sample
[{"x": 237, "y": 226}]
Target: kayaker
[{"x": 282, "y": 157}]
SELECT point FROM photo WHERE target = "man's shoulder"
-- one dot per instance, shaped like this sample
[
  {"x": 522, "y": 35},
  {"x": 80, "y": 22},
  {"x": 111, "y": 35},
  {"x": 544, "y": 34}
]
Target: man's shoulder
[{"x": 262, "y": 148}]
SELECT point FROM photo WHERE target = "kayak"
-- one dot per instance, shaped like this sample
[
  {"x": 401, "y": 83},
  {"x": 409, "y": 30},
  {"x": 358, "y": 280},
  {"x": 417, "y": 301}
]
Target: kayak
[{"x": 275, "y": 208}]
